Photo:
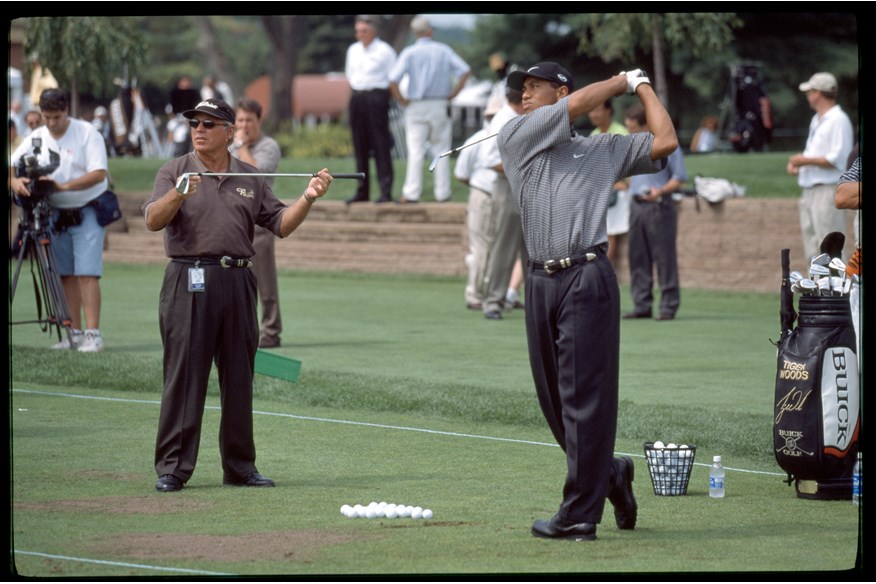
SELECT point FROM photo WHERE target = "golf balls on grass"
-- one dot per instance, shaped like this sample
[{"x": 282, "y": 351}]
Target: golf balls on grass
[{"x": 376, "y": 510}]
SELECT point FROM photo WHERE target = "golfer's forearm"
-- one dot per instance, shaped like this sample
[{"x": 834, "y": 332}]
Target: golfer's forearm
[
  {"x": 659, "y": 123},
  {"x": 848, "y": 195},
  {"x": 592, "y": 96},
  {"x": 294, "y": 215},
  {"x": 162, "y": 211}
]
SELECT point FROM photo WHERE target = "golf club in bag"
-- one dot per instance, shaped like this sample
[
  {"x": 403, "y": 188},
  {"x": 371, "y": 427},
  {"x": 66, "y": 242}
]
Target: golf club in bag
[{"x": 817, "y": 418}]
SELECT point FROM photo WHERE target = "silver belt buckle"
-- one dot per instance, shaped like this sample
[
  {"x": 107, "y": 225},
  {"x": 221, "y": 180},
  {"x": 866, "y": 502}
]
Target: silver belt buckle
[
  {"x": 551, "y": 266},
  {"x": 228, "y": 262}
]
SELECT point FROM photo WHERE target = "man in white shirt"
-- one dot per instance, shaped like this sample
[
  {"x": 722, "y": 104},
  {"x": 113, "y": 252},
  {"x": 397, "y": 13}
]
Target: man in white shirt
[
  {"x": 77, "y": 237},
  {"x": 369, "y": 61},
  {"x": 819, "y": 167},
  {"x": 431, "y": 68}
]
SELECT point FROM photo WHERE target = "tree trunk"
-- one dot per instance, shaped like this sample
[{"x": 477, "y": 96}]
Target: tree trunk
[
  {"x": 659, "y": 64},
  {"x": 215, "y": 57},
  {"x": 282, "y": 32}
]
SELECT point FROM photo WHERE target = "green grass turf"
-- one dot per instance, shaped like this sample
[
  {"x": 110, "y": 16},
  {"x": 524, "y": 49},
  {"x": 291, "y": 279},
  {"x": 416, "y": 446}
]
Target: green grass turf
[
  {"x": 403, "y": 352},
  {"x": 762, "y": 174}
]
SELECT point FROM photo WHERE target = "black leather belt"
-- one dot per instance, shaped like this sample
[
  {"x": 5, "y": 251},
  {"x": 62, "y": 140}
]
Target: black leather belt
[
  {"x": 224, "y": 261},
  {"x": 554, "y": 266}
]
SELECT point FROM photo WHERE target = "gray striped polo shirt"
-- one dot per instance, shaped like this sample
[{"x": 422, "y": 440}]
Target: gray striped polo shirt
[{"x": 562, "y": 181}]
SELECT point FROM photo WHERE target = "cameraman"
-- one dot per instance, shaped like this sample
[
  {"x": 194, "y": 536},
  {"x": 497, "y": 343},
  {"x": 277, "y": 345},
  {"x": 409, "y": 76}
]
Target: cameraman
[{"x": 76, "y": 237}]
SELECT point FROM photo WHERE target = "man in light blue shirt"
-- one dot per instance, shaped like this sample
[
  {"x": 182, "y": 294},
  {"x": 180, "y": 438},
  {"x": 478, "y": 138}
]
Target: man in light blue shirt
[
  {"x": 430, "y": 68},
  {"x": 653, "y": 231}
]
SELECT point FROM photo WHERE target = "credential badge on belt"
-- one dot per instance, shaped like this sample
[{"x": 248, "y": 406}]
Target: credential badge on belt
[{"x": 197, "y": 283}]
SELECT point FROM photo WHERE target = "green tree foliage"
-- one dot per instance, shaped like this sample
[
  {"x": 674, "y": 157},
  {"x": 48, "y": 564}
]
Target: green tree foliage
[{"x": 86, "y": 53}]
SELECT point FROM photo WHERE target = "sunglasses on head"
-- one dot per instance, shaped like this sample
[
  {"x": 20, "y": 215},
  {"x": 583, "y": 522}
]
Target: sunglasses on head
[{"x": 208, "y": 124}]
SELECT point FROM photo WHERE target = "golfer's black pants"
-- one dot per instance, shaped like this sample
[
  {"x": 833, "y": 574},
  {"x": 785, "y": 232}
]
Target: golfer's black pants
[
  {"x": 197, "y": 328},
  {"x": 369, "y": 125},
  {"x": 573, "y": 331}
]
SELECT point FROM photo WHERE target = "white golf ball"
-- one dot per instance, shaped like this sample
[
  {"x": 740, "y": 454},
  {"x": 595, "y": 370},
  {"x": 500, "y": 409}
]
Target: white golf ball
[
  {"x": 659, "y": 444},
  {"x": 370, "y": 513},
  {"x": 417, "y": 513},
  {"x": 672, "y": 445},
  {"x": 345, "y": 509},
  {"x": 391, "y": 513},
  {"x": 404, "y": 511},
  {"x": 427, "y": 514},
  {"x": 360, "y": 510}
]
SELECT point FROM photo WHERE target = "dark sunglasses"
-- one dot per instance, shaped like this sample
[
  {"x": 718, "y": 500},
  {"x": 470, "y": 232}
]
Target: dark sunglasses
[{"x": 208, "y": 124}]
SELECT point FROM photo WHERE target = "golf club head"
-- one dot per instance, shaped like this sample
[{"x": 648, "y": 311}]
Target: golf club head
[
  {"x": 807, "y": 286},
  {"x": 821, "y": 259},
  {"x": 434, "y": 163},
  {"x": 817, "y": 271},
  {"x": 833, "y": 243},
  {"x": 837, "y": 265},
  {"x": 795, "y": 276}
]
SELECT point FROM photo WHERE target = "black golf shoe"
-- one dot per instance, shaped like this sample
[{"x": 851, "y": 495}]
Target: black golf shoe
[
  {"x": 557, "y": 528},
  {"x": 621, "y": 493}
]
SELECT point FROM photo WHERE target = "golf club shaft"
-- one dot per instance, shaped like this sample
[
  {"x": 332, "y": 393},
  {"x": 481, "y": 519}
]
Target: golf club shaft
[
  {"x": 449, "y": 152},
  {"x": 356, "y": 175},
  {"x": 455, "y": 150}
]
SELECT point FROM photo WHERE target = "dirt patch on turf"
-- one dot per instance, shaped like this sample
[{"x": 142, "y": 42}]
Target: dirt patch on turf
[{"x": 277, "y": 545}]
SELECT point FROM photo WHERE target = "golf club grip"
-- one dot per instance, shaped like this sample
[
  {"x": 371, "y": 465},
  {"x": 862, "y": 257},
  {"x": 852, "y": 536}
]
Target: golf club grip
[{"x": 358, "y": 175}]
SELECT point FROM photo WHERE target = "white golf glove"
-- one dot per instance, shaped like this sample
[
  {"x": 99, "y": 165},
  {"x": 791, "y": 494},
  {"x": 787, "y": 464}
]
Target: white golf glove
[{"x": 634, "y": 79}]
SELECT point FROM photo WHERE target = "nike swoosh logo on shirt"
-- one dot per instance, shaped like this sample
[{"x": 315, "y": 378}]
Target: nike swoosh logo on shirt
[{"x": 577, "y": 155}]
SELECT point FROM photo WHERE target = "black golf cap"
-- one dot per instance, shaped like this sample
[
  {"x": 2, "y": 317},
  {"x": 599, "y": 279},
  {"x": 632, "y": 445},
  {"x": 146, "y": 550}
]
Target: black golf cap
[
  {"x": 214, "y": 107},
  {"x": 548, "y": 70}
]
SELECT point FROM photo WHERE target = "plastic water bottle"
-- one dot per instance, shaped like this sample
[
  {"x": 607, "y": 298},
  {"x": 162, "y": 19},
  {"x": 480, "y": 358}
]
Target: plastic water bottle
[
  {"x": 857, "y": 484},
  {"x": 716, "y": 479}
]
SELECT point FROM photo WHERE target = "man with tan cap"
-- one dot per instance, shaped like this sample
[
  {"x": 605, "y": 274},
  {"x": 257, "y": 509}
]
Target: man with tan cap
[{"x": 819, "y": 167}]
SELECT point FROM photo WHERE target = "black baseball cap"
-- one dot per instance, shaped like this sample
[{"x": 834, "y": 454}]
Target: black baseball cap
[
  {"x": 547, "y": 70},
  {"x": 214, "y": 107}
]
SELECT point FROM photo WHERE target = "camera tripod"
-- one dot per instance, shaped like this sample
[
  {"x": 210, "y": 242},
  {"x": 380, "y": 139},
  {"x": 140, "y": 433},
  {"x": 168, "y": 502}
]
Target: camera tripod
[{"x": 36, "y": 244}]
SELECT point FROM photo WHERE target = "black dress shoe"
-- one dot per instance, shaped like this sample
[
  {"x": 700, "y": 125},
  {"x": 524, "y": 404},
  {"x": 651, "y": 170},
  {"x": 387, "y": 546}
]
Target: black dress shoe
[
  {"x": 493, "y": 315},
  {"x": 384, "y": 200},
  {"x": 557, "y": 528},
  {"x": 637, "y": 315},
  {"x": 357, "y": 199},
  {"x": 253, "y": 480},
  {"x": 621, "y": 493},
  {"x": 167, "y": 483}
]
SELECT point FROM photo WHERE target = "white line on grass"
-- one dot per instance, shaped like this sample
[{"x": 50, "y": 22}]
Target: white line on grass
[
  {"x": 370, "y": 424},
  {"x": 124, "y": 564}
]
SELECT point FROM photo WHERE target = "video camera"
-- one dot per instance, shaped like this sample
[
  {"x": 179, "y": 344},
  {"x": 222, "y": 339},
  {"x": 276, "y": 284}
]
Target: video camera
[{"x": 28, "y": 167}]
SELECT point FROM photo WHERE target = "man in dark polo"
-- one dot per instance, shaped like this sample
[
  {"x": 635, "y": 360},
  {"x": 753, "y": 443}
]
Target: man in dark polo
[{"x": 207, "y": 306}]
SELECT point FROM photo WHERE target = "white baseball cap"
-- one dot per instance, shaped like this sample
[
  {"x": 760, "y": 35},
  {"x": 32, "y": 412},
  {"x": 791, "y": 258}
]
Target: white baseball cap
[{"x": 820, "y": 82}]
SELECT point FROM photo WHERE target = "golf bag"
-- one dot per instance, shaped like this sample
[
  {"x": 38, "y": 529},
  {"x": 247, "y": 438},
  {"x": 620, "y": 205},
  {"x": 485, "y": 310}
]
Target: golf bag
[{"x": 817, "y": 421}]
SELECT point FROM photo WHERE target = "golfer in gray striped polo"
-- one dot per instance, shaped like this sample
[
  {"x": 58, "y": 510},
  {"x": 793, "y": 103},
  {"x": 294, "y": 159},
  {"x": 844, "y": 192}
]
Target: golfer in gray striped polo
[{"x": 562, "y": 182}]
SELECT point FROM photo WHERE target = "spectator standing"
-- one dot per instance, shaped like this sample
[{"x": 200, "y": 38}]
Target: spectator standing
[
  {"x": 705, "y": 139},
  {"x": 41, "y": 79},
  {"x": 820, "y": 165},
  {"x": 17, "y": 116},
  {"x": 473, "y": 170},
  {"x": 100, "y": 121},
  {"x": 654, "y": 230},
  {"x": 367, "y": 67},
  {"x": 77, "y": 238},
  {"x": 431, "y": 68},
  {"x": 32, "y": 120},
  {"x": 213, "y": 88},
  {"x": 207, "y": 306},
  {"x": 618, "y": 219},
  {"x": 562, "y": 183},
  {"x": 183, "y": 97},
  {"x": 507, "y": 245},
  {"x": 255, "y": 148}
]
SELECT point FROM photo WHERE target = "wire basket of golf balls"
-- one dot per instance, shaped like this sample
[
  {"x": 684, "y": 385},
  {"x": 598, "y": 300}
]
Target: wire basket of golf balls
[{"x": 669, "y": 466}]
